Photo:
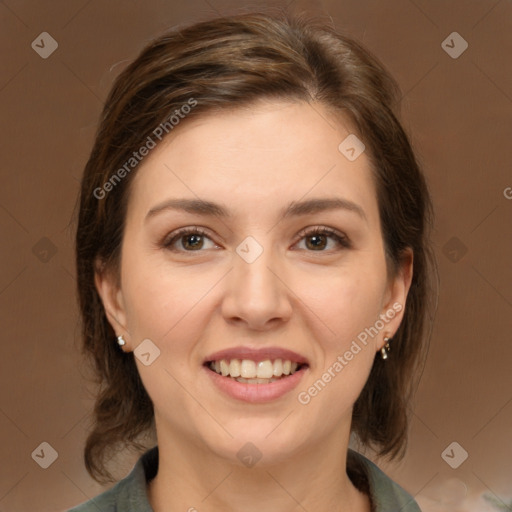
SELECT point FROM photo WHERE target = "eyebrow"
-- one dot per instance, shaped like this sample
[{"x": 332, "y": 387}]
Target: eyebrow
[{"x": 293, "y": 209}]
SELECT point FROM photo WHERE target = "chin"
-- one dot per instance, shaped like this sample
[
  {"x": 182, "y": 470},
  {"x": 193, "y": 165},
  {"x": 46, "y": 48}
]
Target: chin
[{"x": 257, "y": 443}]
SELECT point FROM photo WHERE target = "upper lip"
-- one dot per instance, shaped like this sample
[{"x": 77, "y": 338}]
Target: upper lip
[{"x": 257, "y": 354}]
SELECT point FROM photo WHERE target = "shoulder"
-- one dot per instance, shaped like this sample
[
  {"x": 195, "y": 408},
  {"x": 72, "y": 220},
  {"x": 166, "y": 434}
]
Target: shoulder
[
  {"x": 386, "y": 494},
  {"x": 106, "y": 502},
  {"x": 130, "y": 493}
]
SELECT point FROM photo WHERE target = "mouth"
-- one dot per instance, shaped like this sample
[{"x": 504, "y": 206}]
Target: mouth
[
  {"x": 249, "y": 371},
  {"x": 256, "y": 375}
]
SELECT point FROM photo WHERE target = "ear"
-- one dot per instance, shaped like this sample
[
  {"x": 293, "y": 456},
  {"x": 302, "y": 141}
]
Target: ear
[
  {"x": 109, "y": 289},
  {"x": 396, "y": 297}
]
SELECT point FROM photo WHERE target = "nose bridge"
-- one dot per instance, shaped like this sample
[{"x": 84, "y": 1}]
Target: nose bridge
[
  {"x": 256, "y": 292},
  {"x": 252, "y": 265}
]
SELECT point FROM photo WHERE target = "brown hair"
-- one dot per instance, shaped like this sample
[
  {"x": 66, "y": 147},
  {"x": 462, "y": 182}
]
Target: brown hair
[{"x": 231, "y": 62}]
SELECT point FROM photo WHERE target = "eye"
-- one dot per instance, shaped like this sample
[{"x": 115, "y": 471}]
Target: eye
[
  {"x": 192, "y": 239},
  {"x": 319, "y": 236},
  {"x": 188, "y": 239}
]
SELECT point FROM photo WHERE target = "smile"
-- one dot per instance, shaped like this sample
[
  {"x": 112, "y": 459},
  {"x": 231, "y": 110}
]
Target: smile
[
  {"x": 255, "y": 375},
  {"x": 248, "y": 371}
]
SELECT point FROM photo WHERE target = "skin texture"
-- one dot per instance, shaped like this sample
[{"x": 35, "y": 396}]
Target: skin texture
[{"x": 314, "y": 301}]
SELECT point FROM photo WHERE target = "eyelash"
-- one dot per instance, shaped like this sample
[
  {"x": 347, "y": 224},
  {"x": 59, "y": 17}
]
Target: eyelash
[{"x": 340, "y": 238}]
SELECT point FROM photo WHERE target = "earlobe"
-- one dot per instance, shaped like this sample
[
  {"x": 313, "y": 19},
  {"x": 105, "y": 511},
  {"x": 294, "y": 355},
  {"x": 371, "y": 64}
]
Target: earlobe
[
  {"x": 398, "y": 290},
  {"x": 111, "y": 296}
]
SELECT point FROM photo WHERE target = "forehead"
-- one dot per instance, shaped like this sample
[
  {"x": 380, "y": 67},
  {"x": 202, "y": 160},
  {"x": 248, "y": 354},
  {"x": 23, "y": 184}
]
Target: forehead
[{"x": 268, "y": 154}]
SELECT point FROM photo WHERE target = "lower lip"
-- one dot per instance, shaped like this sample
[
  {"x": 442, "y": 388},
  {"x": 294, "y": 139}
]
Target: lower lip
[{"x": 256, "y": 393}]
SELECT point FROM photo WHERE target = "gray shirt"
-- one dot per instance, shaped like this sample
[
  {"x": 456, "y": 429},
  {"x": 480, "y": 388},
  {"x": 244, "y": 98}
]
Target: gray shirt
[{"x": 130, "y": 495}]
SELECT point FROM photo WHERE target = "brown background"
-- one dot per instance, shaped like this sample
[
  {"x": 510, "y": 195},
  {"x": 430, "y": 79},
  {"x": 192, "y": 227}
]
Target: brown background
[{"x": 459, "y": 112}]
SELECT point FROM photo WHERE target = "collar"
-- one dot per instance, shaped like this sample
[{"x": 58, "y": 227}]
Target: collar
[{"x": 130, "y": 494}]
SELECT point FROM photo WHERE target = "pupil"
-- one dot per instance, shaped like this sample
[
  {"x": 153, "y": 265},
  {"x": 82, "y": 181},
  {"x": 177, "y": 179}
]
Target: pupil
[
  {"x": 195, "y": 243},
  {"x": 319, "y": 240}
]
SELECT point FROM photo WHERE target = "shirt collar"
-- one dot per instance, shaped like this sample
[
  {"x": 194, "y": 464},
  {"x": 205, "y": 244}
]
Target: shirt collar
[{"x": 132, "y": 495}]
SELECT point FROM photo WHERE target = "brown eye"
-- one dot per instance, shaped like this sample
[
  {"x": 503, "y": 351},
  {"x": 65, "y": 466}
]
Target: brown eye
[
  {"x": 317, "y": 239},
  {"x": 186, "y": 240}
]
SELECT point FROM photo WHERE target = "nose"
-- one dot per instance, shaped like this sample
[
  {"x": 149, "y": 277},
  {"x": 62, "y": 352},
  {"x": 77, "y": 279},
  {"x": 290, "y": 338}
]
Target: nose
[{"x": 256, "y": 292}]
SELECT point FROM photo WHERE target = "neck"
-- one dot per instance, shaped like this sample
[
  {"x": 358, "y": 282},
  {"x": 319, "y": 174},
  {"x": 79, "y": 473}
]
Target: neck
[{"x": 192, "y": 479}]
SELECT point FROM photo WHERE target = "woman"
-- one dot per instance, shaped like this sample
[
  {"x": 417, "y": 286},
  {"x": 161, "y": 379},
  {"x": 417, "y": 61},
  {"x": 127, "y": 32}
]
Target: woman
[{"x": 253, "y": 270}]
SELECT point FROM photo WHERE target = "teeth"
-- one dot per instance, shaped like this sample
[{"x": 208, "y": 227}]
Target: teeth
[
  {"x": 252, "y": 372},
  {"x": 255, "y": 381},
  {"x": 235, "y": 368},
  {"x": 248, "y": 369},
  {"x": 264, "y": 369},
  {"x": 224, "y": 367},
  {"x": 278, "y": 367}
]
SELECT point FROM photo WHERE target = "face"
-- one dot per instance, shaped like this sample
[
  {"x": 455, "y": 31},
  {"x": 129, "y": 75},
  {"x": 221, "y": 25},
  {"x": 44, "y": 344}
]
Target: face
[{"x": 285, "y": 272}]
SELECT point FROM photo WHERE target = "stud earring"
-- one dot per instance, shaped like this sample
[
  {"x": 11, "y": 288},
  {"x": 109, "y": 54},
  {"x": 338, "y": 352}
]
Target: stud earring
[
  {"x": 121, "y": 341},
  {"x": 384, "y": 350}
]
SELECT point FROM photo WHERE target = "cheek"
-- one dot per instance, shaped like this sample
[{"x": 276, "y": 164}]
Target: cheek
[
  {"x": 159, "y": 302},
  {"x": 347, "y": 305},
  {"x": 347, "y": 301}
]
